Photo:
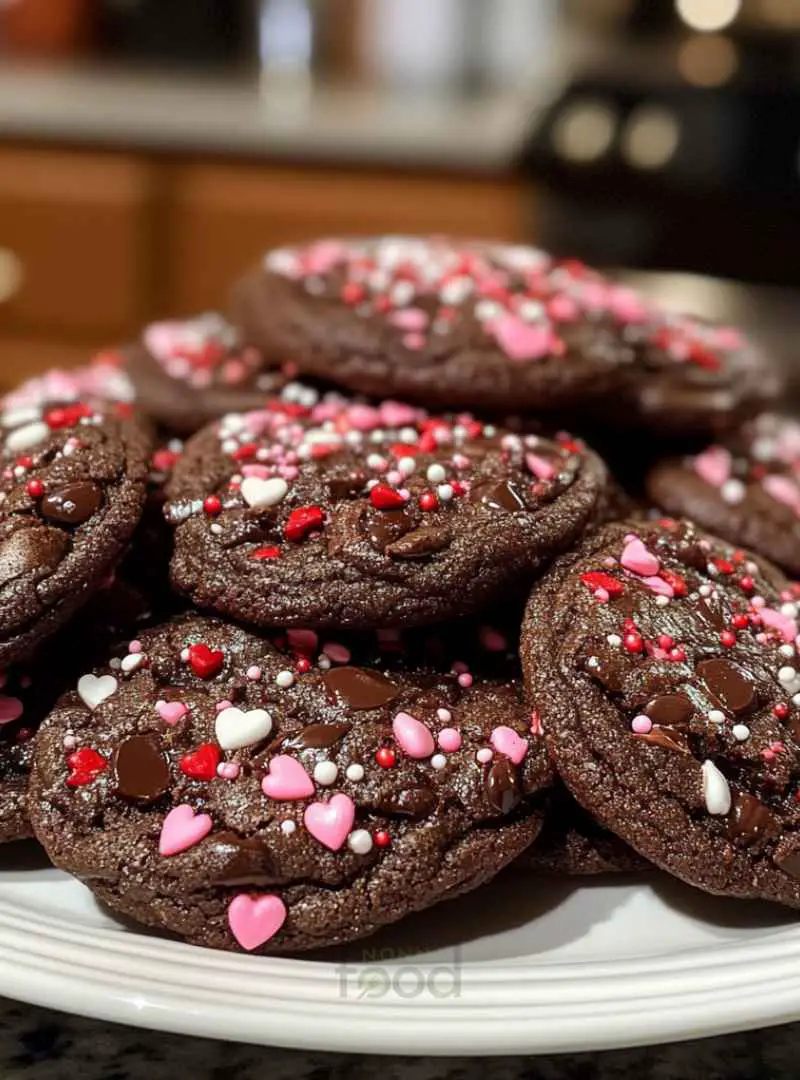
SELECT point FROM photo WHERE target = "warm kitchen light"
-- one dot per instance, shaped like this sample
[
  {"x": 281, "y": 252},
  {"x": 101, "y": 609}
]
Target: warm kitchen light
[
  {"x": 651, "y": 137},
  {"x": 584, "y": 130},
  {"x": 708, "y": 61},
  {"x": 708, "y": 15}
]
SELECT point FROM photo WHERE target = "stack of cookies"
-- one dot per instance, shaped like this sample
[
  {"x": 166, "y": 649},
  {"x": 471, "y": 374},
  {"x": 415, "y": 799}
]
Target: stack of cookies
[{"x": 323, "y": 611}]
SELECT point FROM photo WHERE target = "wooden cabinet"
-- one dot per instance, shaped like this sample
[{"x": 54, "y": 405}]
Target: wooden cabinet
[
  {"x": 221, "y": 219},
  {"x": 93, "y": 244}
]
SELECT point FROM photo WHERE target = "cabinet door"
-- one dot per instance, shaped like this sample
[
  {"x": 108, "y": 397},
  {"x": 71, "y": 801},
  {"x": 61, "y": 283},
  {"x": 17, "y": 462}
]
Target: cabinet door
[
  {"x": 222, "y": 218},
  {"x": 75, "y": 252}
]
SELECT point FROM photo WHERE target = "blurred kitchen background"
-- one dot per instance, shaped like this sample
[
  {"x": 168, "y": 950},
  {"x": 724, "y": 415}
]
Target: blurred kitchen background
[{"x": 150, "y": 150}]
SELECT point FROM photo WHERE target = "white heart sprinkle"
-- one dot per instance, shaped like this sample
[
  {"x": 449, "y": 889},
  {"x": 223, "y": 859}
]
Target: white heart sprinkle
[
  {"x": 263, "y": 493},
  {"x": 235, "y": 728},
  {"x": 715, "y": 789},
  {"x": 93, "y": 691},
  {"x": 23, "y": 438}
]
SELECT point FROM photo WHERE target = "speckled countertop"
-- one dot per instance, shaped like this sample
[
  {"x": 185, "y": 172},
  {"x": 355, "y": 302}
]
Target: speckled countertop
[
  {"x": 242, "y": 115},
  {"x": 43, "y": 1045}
]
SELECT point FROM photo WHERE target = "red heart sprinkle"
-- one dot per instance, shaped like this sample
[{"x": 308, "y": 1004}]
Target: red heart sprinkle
[
  {"x": 268, "y": 552},
  {"x": 205, "y": 662},
  {"x": 85, "y": 764},
  {"x": 201, "y": 763},
  {"x": 679, "y": 586},
  {"x": 386, "y": 498},
  {"x": 302, "y": 521},
  {"x": 66, "y": 415},
  {"x": 596, "y": 579}
]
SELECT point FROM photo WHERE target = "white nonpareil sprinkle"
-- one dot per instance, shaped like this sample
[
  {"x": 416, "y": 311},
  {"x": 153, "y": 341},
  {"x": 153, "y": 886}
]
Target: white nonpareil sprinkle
[
  {"x": 716, "y": 792},
  {"x": 445, "y": 492},
  {"x": 438, "y": 761},
  {"x": 360, "y": 842},
  {"x": 732, "y": 491},
  {"x": 786, "y": 650},
  {"x": 787, "y": 675},
  {"x": 355, "y": 772},
  {"x": 614, "y": 640},
  {"x": 716, "y": 717},
  {"x": 740, "y": 732},
  {"x": 288, "y": 827},
  {"x": 285, "y": 678},
  {"x": 436, "y": 473},
  {"x": 325, "y": 773}
]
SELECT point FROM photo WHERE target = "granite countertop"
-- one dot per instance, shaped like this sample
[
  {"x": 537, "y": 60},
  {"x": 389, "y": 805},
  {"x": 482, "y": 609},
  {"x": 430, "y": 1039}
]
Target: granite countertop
[
  {"x": 240, "y": 115},
  {"x": 45, "y": 1045}
]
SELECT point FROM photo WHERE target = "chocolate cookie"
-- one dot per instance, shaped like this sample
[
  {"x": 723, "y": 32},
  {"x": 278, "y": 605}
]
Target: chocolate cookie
[
  {"x": 746, "y": 489},
  {"x": 493, "y": 327},
  {"x": 101, "y": 381},
  {"x": 71, "y": 494},
  {"x": 246, "y": 796},
  {"x": 664, "y": 666},
  {"x": 572, "y": 844},
  {"x": 348, "y": 515},
  {"x": 188, "y": 372}
]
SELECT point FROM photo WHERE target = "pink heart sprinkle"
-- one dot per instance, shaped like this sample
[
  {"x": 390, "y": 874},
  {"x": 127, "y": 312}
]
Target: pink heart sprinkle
[
  {"x": 171, "y": 711},
  {"x": 413, "y": 737},
  {"x": 254, "y": 920},
  {"x": 784, "y": 490},
  {"x": 398, "y": 414},
  {"x": 259, "y": 472},
  {"x": 330, "y": 822},
  {"x": 541, "y": 468},
  {"x": 287, "y": 779},
  {"x": 183, "y": 829},
  {"x": 636, "y": 558},
  {"x": 11, "y": 709},
  {"x": 714, "y": 465},
  {"x": 659, "y": 586},
  {"x": 776, "y": 620},
  {"x": 506, "y": 741},
  {"x": 409, "y": 319},
  {"x": 449, "y": 740},
  {"x": 520, "y": 340}
]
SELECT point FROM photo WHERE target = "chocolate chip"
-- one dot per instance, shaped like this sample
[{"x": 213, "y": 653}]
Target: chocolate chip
[
  {"x": 360, "y": 688},
  {"x": 30, "y": 549},
  {"x": 72, "y": 504},
  {"x": 386, "y": 527},
  {"x": 670, "y": 710},
  {"x": 419, "y": 802},
  {"x": 728, "y": 685},
  {"x": 140, "y": 769},
  {"x": 667, "y": 739},
  {"x": 316, "y": 737},
  {"x": 503, "y": 788},
  {"x": 424, "y": 541},
  {"x": 789, "y": 862},
  {"x": 608, "y": 668},
  {"x": 751, "y": 822},
  {"x": 497, "y": 495},
  {"x": 245, "y": 861},
  {"x": 346, "y": 487}
]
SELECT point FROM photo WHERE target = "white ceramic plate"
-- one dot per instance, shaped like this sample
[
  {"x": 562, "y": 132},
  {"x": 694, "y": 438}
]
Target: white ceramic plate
[{"x": 523, "y": 966}]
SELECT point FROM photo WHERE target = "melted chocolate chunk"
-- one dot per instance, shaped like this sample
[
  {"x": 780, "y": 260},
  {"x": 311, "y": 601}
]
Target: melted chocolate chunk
[
  {"x": 497, "y": 495},
  {"x": 670, "y": 710},
  {"x": 667, "y": 739},
  {"x": 751, "y": 822},
  {"x": 27, "y": 549},
  {"x": 346, "y": 487},
  {"x": 790, "y": 863},
  {"x": 72, "y": 504},
  {"x": 316, "y": 737},
  {"x": 503, "y": 787},
  {"x": 412, "y": 802},
  {"x": 140, "y": 769},
  {"x": 728, "y": 685},
  {"x": 712, "y": 613},
  {"x": 360, "y": 688},
  {"x": 424, "y": 541},
  {"x": 386, "y": 527},
  {"x": 246, "y": 861},
  {"x": 608, "y": 668}
]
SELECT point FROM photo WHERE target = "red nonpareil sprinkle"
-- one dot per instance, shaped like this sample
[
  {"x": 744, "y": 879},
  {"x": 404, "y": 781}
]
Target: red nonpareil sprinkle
[
  {"x": 267, "y": 552},
  {"x": 66, "y": 416},
  {"x": 386, "y": 757},
  {"x": 212, "y": 505},
  {"x": 25, "y": 462},
  {"x": 679, "y": 586},
  {"x": 740, "y": 621},
  {"x": 746, "y": 583},
  {"x": 723, "y": 565},
  {"x": 382, "y": 838},
  {"x": 401, "y": 449},
  {"x": 384, "y": 497},
  {"x": 85, "y": 765},
  {"x": 458, "y": 488},
  {"x": 201, "y": 763},
  {"x": 205, "y": 662},
  {"x": 728, "y": 638},
  {"x": 427, "y": 443},
  {"x": 245, "y": 452},
  {"x": 302, "y": 521},
  {"x": 428, "y": 501},
  {"x": 632, "y": 642},
  {"x": 302, "y": 665},
  {"x": 678, "y": 654},
  {"x": 596, "y": 579},
  {"x": 353, "y": 292},
  {"x": 781, "y": 710},
  {"x": 702, "y": 356},
  {"x": 35, "y": 489},
  {"x": 665, "y": 642}
]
